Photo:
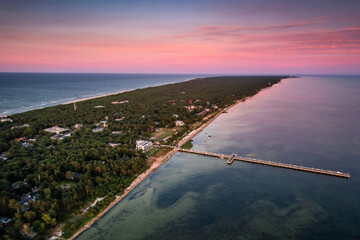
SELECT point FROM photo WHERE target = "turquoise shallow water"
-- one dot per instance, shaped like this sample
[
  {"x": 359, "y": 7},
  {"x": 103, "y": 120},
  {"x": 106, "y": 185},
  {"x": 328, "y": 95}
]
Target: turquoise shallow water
[{"x": 312, "y": 121}]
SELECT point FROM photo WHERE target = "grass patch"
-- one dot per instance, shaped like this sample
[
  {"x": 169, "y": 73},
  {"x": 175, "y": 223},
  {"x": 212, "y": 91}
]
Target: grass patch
[
  {"x": 162, "y": 152},
  {"x": 73, "y": 224},
  {"x": 187, "y": 145},
  {"x": 163, "y": 133},
  {"x": 153, "y": 152}
]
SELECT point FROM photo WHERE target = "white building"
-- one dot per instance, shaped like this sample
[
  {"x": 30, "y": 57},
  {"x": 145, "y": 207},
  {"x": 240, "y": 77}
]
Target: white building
[
  {"x": 102, "y": 124},
  {"x": 117, "y": 132},
  {"x": 113, "y": 144},
  {"x": 6, "y": 120},
  {"x": 99, "y": 129},
  {"x": 99, "y": 106},
  {"x": 3, "y": 156},
  {"x": 121, "y": 102},
  {"x": 56, "y": 129},
  {"x": 78, "y": 125},
  {"x": 21, "y": 126},
  {"x": 144, "y": 145},
  {"x": 179, "y": 123}
]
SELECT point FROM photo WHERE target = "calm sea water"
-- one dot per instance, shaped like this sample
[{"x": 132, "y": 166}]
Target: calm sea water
[
  {"x": 312, "y": 121},
  {"x": 20, "y": 92}
]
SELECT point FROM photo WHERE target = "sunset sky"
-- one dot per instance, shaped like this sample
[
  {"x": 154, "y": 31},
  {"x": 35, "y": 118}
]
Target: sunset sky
[{"x": 195, "y": 36}]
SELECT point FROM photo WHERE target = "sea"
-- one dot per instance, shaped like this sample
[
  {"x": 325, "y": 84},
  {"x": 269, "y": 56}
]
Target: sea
[
  {"x": 311, "y": 121},
  {"x": 21, "y": 92}
]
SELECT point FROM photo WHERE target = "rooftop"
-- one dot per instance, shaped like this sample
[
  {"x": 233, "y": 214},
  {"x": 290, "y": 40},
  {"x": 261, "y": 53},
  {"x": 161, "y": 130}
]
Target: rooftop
[
  {"x": 143, "y": 143},
  {"x": 114, "y": 144},
  {"x": 99, "y": 129},
  {"x": 21, "y": 126},
  {"x": 27, "y": 198},
  {"x": 99, "y": 106},
  {"x": 5, "y": 221},
  {"x": 56, "y": 129},
  {"x": 3, "y": 156},
  {"x": 6, "y": 120}
]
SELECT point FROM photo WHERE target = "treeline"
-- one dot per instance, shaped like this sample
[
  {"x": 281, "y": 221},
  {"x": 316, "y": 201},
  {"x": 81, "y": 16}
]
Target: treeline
[{"x": 64, "y": 175}]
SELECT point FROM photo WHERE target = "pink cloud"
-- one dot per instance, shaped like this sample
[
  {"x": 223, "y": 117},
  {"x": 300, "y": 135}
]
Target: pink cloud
[
  {"x": 280, "y": 48},
  {"x": 231, "y": 31}
]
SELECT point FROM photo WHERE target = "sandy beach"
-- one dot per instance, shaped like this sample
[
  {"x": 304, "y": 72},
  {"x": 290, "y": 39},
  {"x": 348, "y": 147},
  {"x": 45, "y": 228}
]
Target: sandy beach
[{"x": 104, "y": 95}]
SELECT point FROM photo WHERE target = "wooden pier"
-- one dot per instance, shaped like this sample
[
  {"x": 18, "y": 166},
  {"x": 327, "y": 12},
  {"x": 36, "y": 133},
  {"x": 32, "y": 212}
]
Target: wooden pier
[{"x": 231, "y": 158}]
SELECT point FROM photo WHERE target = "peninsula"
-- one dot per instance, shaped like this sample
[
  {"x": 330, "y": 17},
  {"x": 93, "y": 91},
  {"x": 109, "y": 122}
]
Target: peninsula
[{"x": 62, "y": 166}]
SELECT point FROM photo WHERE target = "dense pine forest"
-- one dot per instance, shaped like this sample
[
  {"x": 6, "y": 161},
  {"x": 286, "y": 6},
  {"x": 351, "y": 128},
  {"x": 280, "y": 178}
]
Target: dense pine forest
[{"x": 50, "y": 178}]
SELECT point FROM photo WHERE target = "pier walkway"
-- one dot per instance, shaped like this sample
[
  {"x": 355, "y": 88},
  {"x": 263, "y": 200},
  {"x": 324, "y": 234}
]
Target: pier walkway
[{"x": 231, "y": 158}]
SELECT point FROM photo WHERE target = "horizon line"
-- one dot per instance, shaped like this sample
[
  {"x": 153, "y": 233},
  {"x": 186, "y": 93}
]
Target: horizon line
[{"x": 211, "y": 74}]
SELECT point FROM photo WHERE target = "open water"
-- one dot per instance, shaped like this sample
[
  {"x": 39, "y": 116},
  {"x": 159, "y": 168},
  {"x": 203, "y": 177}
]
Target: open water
[
  {"x": 21, "y": 92},
  {"x": 312, "y": 121}
]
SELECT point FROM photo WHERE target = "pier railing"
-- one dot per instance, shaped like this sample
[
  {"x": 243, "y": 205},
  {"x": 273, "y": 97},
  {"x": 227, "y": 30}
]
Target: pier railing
[{"x": 231, "y": 158}]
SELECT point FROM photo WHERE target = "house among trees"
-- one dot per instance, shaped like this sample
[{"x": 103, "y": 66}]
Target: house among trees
[
  {"x": 3, "y": 156},
  {"x": 114, "y": 144},
  {"x": 78, "y": 125},
  {"x": 26, "y": 142},
  {"x": 121, "y": 102},
  {"x": 98, "y": 129},
  {"x": 56, "y": 129},
  {"x": 5, "y": 222},
  {"x": 179, "y": 123},
  {"x": 202, "y": 113},
  {"x": 102, "y": 124},
  {"x": 117, "y": 132},
  {"x": 190, "y": 108},
  {"x": 143, "y": 145},
  {"x": 21, "y": 126},
  {"x": 99, "y": 106},
  {"x": 61, "y": 136},
  {"x": 6, "y": 120},
  {"x": 26, "y": 199}
]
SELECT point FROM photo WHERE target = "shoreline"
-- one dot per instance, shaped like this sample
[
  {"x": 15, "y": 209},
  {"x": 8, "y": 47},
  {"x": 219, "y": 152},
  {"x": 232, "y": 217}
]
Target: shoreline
[
  {"x": 125, "y": 91},
  {"x": 159, "y": 163},
  {"x": 99, "y": 96}
]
